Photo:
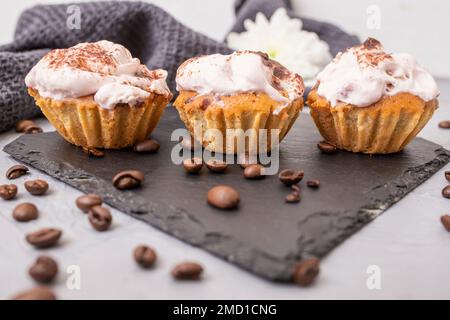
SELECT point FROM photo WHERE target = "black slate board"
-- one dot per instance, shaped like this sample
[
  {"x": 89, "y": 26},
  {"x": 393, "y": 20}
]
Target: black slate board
[{"x": 265, "y": 235}]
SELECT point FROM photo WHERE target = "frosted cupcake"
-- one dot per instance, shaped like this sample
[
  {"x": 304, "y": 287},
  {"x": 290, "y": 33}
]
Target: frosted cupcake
[
  {"x": 97, "y": 95},
  {"x": 367, "y": 100},
  {"x": 238, "y": 93}
]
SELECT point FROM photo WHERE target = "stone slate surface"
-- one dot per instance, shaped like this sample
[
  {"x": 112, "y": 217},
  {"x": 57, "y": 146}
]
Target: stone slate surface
[{"x": 265, "y": 235}]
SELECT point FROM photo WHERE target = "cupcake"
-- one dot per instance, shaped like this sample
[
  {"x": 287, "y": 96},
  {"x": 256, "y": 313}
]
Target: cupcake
[
  {"x": 369, "y": 101},
  {"x": 244, "y": 97},
  {"x": 97, "y": 95}
]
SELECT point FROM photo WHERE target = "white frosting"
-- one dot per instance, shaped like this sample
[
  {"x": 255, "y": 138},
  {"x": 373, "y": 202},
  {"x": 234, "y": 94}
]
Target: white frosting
[
  {"x": 241, "y": 71},
  {"x": 103, "y": 69},
  {"x": 362, "y": 75}
]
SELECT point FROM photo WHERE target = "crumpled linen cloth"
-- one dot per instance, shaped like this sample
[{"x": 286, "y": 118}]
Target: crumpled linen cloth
[{"x": 150, "y": 33}]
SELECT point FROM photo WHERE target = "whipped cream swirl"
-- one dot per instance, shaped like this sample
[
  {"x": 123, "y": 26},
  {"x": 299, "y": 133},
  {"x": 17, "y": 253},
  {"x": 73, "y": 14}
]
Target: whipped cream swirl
[
  {"x": 241, "y": 71},
  {"x": 362, "y": 75},
  {"x": 103, "y": 69}
]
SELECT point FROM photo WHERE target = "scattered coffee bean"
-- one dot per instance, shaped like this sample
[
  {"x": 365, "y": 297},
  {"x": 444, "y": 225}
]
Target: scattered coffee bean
[
  {"x": 326, "y": 147},
  {"x": 444, "y": 124},
  {"x": 38, "y": 293},
  {"x": 445, "y": 219},
  {"x": 144, "y": 256},
  {"x": 32, "y": 129},
  {"x": 22, "y": 124},
  {"x": 306, "y": 271},
  {"x": 100, "y": 218},
  {"x": 25, "y": 212},
  {"x": 8, "y": 191},
  {"x": 147, "y": 146},
  {"x": 187, "y": 271},
  {"x": 44, "y": 269},
  {"x": 446, "y": 192},
  {"x": 293, "y": 197},
  {"x": 36, "y": 187},
  {"x": 254, "y": 171},
  {"x": 313, "y": 183},
  {"x": 128, "y": 179},
  {"x": 296, "y": 188},
  {"x": 447, "y": 175},
  {"x": 193, "y": 165},
  {"x": 216, "y": 166},
  {"x": 16, "y": 171},
  {"x": 87, "y": 201},
  {"x": 289, "y": 176},
  {"x": 93, "y": 152},
  {"x": 44, "y": 238},
  {"x": 223, "y": 197}
]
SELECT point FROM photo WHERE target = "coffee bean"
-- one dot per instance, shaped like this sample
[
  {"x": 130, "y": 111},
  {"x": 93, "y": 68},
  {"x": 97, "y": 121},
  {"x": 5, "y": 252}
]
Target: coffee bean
[
  {"x": 289, "y": 176},
  {"x": 313, "y": 183},
  {"x": 306, "y": 271},
  {"x": 193, "y": 165},
  {"x": 445, "y": 219},
  {"x": 447, "y": 175},
  {"x": 187, "y": 271},
  {"x": 44, "y": 269},
  {"x": 87, "y": 201},
  {"x": 16, "y": 171},
  {"x": 100, "y": 218},
  {"x": 326, "y": 147},
  {"x": 128, "y": 179},
  {"x": 8, "y": 191},
  {"x": 293, "y": 197},
  {"x": 223, "y": 197},
  {"x": 144, "y": 256},
  {"x": 36, "y": 187},
  {"x": 93, "y": 152},
  {"x": 38, "y": 293},
  {"x": 446, "y": 192},
  {"x": 25, "y": 212},
  {"x": 32, "y": 129},
  {"x": 444, "y": 124},
  {"x": 254, "y": 171},
  {"x": 22, "y": 124},
  {"x": 216, "y": 166},
  {"x": 296, "y": 188},
  {"x": 44, "y": 238},
  {"x": 147, "y": 146}
]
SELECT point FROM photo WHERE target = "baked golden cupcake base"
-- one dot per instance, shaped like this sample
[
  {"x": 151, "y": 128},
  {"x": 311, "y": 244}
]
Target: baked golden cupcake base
[
  {"x": 84, "y": 123},
  {"x": 386, "y": 126},
  {"x": 239, "y": 112}
]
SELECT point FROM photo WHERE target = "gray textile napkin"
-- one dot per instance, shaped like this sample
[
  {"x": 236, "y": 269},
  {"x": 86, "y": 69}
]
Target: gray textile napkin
[{"x": 150, "y": 33}]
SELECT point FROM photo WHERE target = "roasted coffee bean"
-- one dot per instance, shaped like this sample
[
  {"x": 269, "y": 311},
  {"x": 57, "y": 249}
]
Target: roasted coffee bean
[
  {"x": 44, "y": 238},
  {"x": 8, "y": 191},
  {"x": 87, "y": 201},
  {"x": 44, "y": 269},
  {"x": 147, "y": 146},
  {"x": 326, "y": 147},
  {"x": 16, "y": 171},
  {"x": 100, "y": 218},
  {"x": 446, "y": 192},
  {"x": 445, "y": 219},
  {"x": 187, "y": 271},
  {"x": 25, "y": 212},
  {"x": 216, "y": 166},
  {"x": 313, "y": 183},
  {"x": 144, "y": 256},
  {"x": 293, "y": 197},
  {"x": 306, "y": 271},
  {"x": 289, "y": 176},
  {"x": 444, "y": 124},
  {"x": 193, "y": 165},
  {"x": 254, "y": 171},
  {"x": 32, "y": 129},
  {"x": 93, "y": 152},
  {"x": 22, "y": 124},
  {"x": 38, "y": 293},
  {"x": 447, "y": 175},
  {"x": 36, "y": 187},
  {"x": 128, "y": 179},
  {"x": 223, "y": 197},
  {"x": 296, "y": 188}
]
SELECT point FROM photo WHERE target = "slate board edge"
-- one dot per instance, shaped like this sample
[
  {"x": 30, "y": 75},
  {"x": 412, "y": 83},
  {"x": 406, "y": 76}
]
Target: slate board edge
[{"x": 252, "y": 259}]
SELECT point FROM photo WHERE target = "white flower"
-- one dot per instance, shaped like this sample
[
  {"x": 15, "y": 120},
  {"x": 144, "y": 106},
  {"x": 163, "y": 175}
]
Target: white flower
[{"x": 283, "y": 39}]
